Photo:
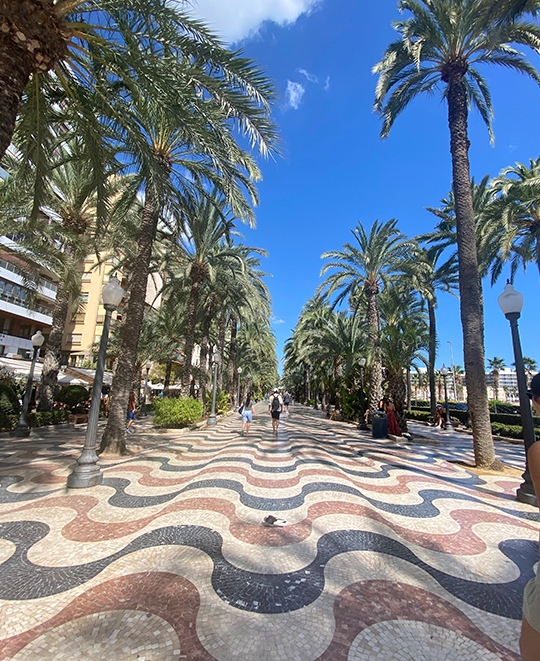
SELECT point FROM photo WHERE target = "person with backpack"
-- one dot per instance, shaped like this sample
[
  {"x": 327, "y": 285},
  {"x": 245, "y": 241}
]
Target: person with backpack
[
  {"x": 247, "y": 414},
  {"x": 275, "y": 407},
  {"x": 286, "y": 401}
]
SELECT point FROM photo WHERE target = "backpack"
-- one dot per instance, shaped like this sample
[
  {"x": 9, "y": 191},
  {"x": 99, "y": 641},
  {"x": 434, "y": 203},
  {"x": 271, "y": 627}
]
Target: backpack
[{"x": 276, "y": 404}]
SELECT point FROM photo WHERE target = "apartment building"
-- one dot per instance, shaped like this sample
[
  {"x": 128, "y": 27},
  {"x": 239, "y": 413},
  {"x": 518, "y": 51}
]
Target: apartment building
[
  {"x": 23, "y": 310},
  {"x": 85, "y": 326}
]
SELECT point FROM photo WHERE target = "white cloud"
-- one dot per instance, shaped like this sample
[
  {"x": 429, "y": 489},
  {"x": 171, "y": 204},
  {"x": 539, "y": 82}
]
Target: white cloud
[
  {"x": 309, "y": 76},
  {"x": 278, "y": 321},
  {"x": 327, "y": 84},
  {"x": 237, "y": 19},
  {"x": 295, "y": 92}
]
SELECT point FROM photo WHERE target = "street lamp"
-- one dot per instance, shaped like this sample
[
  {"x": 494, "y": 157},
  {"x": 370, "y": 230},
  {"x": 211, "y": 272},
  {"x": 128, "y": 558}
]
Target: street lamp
[
  {"x": 511, "y": 303},
  {"x": 362, "y": 421},
  {"x": 148, "y": 366},
  {"x": 22, "y": 428},
  {"x": 444, "y": 373},
  {"x": 87, "y": 473},
  {"x": 239, "y": 370},
  {"x": 212, "y": 420}
]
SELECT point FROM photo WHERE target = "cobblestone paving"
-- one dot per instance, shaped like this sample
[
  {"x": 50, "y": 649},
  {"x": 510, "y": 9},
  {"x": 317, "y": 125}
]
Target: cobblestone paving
[{"x": 390, "y": 551}]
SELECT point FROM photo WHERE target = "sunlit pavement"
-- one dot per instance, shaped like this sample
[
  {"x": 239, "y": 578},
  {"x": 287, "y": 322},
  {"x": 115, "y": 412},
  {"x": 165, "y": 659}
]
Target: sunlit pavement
[{"x": 390, "y": 551}]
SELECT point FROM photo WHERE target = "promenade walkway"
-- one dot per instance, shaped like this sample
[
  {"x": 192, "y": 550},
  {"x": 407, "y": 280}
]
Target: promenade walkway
[{"x": 389, "y": 551}]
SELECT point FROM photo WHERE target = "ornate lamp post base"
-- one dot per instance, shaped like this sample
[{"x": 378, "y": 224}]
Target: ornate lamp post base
[
  {"x": 84, "y": 476},
  {"x": 20, "y": 431},
  {"x": 525, "y": 494}
]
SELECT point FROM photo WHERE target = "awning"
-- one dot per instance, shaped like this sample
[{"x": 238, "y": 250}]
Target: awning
[
  {"x": 21, "y": 368},
  {"x": 87, "y": 376}
]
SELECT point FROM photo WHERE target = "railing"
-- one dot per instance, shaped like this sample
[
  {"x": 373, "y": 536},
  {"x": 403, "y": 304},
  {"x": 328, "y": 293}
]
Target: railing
[{"x": 37, "y": 307}]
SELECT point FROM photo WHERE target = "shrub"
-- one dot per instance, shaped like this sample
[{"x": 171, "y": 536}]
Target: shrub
[
  {"x": 423, "y": 416},
  {"x": 44, "y": 418},
  {"x": 222, "y": 402},
  {"x": 7, "y": 422},
  {"x": 9, "y": 402},
  {"x": 510, "y": 431},
  {"x": 508, "y": 419},
  {"x": 176, "y": 412},
  {"x": 72, "y": 396}
]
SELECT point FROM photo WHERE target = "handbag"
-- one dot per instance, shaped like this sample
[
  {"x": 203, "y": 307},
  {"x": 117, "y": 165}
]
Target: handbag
[{"x": 241, "y": 410}]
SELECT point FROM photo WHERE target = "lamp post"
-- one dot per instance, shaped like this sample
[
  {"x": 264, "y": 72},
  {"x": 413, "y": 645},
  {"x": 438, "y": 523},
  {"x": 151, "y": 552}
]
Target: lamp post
[
  {"x": 148, "y": 366},
  {"x": 87, "y": 473},
  {"x": 239, "y": 370},
  {"x": 511, "y": 303},
  {"x": 22, "y": 428},
  {"x": 444, "y": 373},
  {"x": 362, "y": 421},
  {"x": 212, "y": 420}
]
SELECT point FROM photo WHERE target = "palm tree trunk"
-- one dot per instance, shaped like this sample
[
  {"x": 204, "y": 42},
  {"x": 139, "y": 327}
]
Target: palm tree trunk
[
  {"x": 409, "y": 387},
  {"x": 41, "y": 46},
  {"x": 471, "y": 300},
  {"x": 53, "y": 351},
  {"x": 221, "y": 348},
  {"x": 193, "y": 306},
  {"x": 231, "y": 389},
  {"x": 203, "y": 370},
  {"x": 114, "y": 437},
  {"x": 167, "y": 381},
  {"x": 375, "y": 372},
  {"x": 432, "y": 355}
]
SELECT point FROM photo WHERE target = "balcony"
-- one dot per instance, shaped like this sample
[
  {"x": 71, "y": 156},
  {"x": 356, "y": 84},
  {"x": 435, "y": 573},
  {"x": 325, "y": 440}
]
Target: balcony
[
  {"x": 21, "y": 308},
  {"x": 45, "y": 287}
]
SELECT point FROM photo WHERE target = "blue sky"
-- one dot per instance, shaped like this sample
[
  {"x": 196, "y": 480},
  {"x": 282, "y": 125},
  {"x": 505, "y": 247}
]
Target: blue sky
[{"x": 335, "y": 171}]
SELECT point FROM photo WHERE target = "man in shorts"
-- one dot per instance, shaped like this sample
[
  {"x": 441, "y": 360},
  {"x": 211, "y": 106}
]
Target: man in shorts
[
  {"x": 530, "y": 629},
  {"x": 275, "y": 407},
  {"x": 286, "y": 400}
]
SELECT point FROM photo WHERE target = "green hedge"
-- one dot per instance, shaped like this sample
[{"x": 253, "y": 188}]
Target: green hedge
[
  {"x": 44, "y": 418},
  {"x": 423, "y": 416},
  {"x": 176, "y": 412},
  {"x": 9, "y": 402},
  {"x": 7, "y": 422},
  {"x": 40, "y": 419},
  {"x": 512, "y": 420},
  {"x": 510, "y": 431}
]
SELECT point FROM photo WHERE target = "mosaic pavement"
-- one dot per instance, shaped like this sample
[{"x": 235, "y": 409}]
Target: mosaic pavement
[{"x": 390, "y": 550}]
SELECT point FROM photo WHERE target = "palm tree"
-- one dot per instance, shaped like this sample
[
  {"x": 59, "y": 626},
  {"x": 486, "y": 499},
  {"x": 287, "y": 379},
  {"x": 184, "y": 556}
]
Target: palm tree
[
  {"x": 64, "y": 233},
  {"x": 444, "y": 42},
  {"x": 428, "y": 277},
  {"x": 514, "y": 227},
  {"x": 459, "y": 372},
  {"x": 531, "y": 366},
  {"x": 373, "y": 261},
  {"x": 496, "y": 365},
  {"x": 178, "y": 150}
]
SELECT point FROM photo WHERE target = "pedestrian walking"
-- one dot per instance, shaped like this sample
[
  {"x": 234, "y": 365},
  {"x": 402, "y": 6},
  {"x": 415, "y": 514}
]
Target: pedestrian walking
[
  {"x": 248, "y": 414},
  {"x": 132, "y": 407},
  {"x": 286, "y": 400},
  {"x": 529, "y": 642},
  {"x": 275, "y": 408}
]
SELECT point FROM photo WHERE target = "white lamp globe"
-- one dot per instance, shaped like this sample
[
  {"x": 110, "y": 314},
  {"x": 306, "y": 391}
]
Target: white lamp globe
[
  {"x": 445, "y": 371},
  {"x": 239, "y": 370},
  {"x": 112, "y": 293},
  {"x": 510, "y": 301},
  {"x": 37, "y": 339},
  {"x": 362, "y": 362}
]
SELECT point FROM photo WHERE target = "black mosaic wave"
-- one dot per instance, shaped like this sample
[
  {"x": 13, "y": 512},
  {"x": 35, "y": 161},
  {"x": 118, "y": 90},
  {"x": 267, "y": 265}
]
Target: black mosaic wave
[{"x": 21, "y": 579}]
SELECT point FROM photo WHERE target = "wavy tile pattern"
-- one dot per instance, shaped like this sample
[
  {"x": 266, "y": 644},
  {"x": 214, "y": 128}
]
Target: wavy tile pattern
[{"x": 168, "y": 559}]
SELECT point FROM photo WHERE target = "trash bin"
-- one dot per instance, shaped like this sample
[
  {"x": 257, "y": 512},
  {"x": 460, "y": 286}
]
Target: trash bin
[{"x": 379, "y": 425}]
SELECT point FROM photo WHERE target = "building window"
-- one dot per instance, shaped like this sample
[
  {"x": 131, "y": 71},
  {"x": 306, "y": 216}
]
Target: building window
[
  {"x": 97, "y": 339},
  {"x": 86, "y": 276},
  {"x": 25, "y": 330},
  {"x": 84, "y": 298},
  {"x": 100, "y": 318},
  {"x": 78, "y": 318},
  {"x": 5, "y": 325},
  {"x": 74, "y": 339}
]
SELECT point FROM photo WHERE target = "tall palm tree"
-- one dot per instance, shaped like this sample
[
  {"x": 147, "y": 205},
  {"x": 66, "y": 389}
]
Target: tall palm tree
[
  {"x": 429, "y": 276},
  {"x": 459, "y": 373},
  {"x": 374, "y": 260},
  {"x": 496, "y": 365},
  {"x": 442, "y": 43}
]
